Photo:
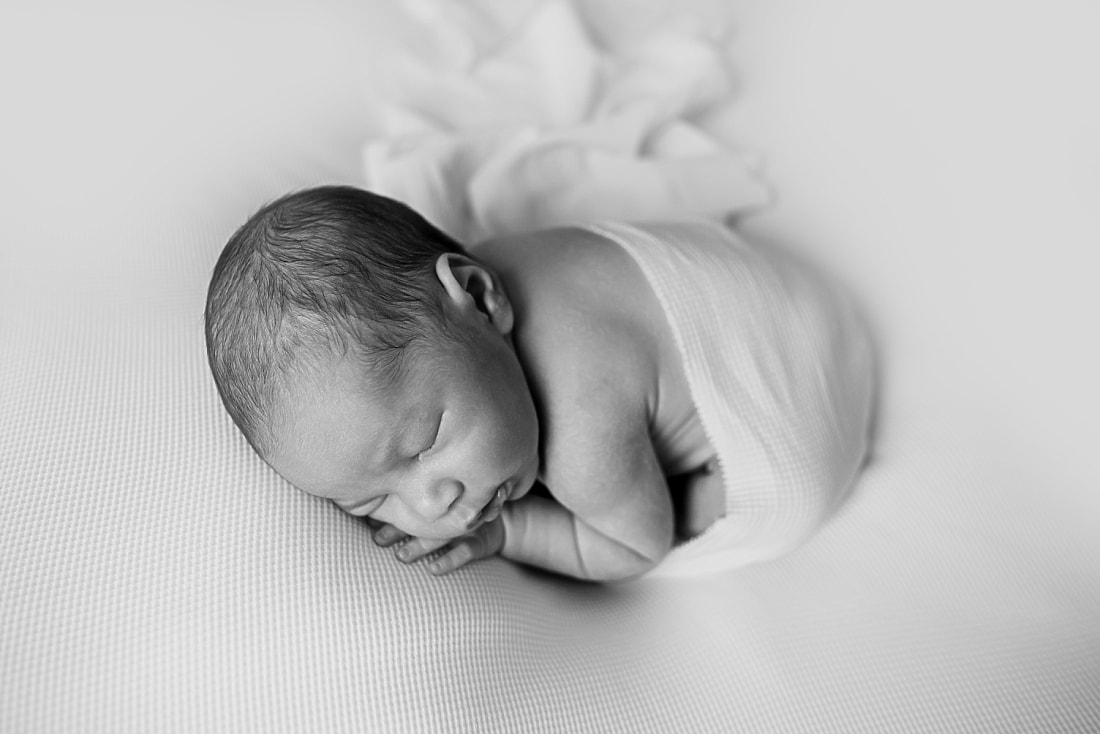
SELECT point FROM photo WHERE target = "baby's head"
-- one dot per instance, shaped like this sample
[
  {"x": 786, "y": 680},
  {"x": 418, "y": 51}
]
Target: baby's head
[{"x": 368, "y": 359}]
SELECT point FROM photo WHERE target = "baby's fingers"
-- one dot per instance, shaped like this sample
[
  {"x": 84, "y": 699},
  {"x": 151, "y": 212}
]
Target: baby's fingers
[
  {"x": 386, "y": 535},
  {"x": 417, "y": 548},
  {"x": 462, "y": 551}
]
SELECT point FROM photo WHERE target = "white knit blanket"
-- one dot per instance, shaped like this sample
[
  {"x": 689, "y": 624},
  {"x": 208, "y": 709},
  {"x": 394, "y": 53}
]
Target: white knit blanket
[{"x": 507, "y": 117}]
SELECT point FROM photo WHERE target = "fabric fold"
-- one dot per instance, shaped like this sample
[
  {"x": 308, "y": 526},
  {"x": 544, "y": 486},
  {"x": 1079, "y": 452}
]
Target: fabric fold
[{"x": 530, "y": 117}]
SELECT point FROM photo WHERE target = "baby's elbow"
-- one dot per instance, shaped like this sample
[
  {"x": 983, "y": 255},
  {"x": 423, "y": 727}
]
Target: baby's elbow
[
  {"x": 609, "y": 557},
  {"x": 626, "y": 564},
  {"x": 619, "y": 572}
]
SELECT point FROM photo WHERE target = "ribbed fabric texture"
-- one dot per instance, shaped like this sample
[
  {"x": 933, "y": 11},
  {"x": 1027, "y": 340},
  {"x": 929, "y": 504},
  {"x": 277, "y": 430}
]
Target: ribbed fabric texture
[{"x": 157, "y": 577}]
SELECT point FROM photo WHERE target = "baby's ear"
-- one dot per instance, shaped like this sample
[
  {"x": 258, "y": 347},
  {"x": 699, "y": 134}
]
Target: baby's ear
[{"x": 470, "y": 285}]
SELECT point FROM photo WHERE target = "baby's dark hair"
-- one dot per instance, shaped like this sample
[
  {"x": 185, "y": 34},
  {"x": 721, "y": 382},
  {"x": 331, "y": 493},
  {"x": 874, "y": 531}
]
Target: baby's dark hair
[{"x": 332, "y": 269}]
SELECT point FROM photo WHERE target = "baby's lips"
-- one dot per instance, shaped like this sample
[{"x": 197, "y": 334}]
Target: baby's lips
[
  {"x": 493, "y": 514},
  {"x": 491, "y": 509},
  {"x": 470, "y": 526}
]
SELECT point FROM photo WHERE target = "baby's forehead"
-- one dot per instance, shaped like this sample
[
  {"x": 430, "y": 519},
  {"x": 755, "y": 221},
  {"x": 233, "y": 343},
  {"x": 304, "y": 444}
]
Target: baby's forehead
[
  {"x": 367, "y": 399},
  {"x": 328, "y": 381},
  {"x": 333, "y": 430}
]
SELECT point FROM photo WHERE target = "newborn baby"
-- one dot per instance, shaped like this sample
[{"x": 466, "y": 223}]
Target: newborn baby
[{"x": 580, "y": 399}]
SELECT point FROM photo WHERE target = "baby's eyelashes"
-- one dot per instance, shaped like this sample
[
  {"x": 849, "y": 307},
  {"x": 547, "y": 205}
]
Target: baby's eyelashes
[
  {"x": 433, "y": 441},
  {"x": 375, "y": 504},
  {"x": 420, "y": 455}
]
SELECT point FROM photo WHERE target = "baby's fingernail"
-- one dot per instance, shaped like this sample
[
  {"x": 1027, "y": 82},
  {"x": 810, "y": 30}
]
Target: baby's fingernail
[
  {"x": 403, "y": 553},
  {"x": 435, "y": 567}
]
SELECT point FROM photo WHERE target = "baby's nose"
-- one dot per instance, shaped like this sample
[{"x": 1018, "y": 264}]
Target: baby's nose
[{"x": 437, "y": 499}]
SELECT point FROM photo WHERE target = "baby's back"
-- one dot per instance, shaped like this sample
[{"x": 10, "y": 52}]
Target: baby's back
[{"x": 588, "y": 324}]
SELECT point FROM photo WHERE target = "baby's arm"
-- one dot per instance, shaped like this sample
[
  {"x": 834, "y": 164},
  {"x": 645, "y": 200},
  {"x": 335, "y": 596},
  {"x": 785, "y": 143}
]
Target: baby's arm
[
  {"x": 611, "y": 516},
  {"x": 540, "y": 532}
]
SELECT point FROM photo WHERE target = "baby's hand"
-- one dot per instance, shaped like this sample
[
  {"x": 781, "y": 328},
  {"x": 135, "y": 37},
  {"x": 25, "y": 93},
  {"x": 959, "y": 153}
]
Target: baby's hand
[{"x": 485, "y": 541}]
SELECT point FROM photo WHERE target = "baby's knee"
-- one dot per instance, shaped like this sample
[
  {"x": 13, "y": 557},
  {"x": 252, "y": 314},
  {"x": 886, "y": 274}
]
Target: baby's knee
[{"x": 699, "y": 502}]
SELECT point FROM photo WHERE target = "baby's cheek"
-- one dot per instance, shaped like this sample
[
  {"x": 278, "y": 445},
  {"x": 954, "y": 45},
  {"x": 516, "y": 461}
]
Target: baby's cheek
[
  {"x": 508, "y": 442},
  {"x": 405, "y": 521}
]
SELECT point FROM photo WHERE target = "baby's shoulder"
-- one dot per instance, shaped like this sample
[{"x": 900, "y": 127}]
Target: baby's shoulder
[
  {"x": 564, "y": 262},
  {"x": 584, "y": 319},
  {"x": 572, "y": 284}
]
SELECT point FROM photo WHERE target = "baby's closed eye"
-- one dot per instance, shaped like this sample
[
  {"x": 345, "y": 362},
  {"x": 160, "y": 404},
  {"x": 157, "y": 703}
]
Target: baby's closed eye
[
  {"x": 431, "y": 442},
  {"x": 364, "y": 508}
]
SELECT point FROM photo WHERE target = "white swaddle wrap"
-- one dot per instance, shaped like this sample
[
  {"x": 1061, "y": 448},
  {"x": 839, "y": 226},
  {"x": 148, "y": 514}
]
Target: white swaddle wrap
[
  {"x": 511, "y": 117},
  {"x": 781, "y": 374}
]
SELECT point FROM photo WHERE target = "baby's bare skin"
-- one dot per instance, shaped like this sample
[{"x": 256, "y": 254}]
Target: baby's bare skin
[
  {"x": 615, "y": 409},
  {"x": 613, "y": 396},
  {"x": 571, "y": 378},
  {"x": 587, "y": 321}
]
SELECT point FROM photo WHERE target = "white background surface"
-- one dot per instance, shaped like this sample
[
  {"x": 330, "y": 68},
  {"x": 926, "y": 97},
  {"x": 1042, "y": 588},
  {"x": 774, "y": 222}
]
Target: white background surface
[{"x": 953, "y": 150}]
